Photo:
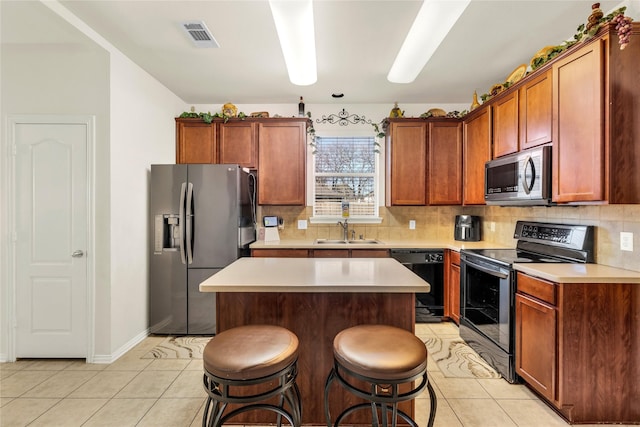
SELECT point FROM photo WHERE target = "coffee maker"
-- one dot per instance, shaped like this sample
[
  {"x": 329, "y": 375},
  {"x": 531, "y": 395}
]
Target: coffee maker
[{"x": 467, "y": 228}]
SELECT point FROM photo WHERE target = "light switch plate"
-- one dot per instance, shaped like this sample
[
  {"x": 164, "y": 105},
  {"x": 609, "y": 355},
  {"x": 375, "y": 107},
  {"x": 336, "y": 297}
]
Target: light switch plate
[
  {"x": 626, "y": 241},
  {"x": 412, "y": 224},
  {"x": 302, "y": 224}
]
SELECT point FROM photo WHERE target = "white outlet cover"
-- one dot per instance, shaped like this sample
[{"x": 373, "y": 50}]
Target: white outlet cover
[
  {"x": 302, "y": 224},
  {"x": 412, "y": 224},
  {"x": 626, "y": 241}
]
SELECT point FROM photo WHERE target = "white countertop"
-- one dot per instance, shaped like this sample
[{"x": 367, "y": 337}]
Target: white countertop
[
  {"x": 579, "y": 273},
  {"x": 456, "y": 245},
  {"x": 384, "y": 275}
]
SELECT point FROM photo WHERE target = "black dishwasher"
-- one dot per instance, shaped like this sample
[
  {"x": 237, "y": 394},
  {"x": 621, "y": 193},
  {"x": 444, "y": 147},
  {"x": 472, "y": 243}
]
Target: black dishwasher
[{"x": 429, "y": 265}]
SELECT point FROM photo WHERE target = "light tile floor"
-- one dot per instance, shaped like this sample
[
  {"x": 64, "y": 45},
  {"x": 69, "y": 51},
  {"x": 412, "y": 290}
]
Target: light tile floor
[{"x": 168, "y": 392}]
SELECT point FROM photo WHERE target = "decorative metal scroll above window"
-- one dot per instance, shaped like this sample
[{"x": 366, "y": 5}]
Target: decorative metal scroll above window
[{"x": 343, "y": 118}]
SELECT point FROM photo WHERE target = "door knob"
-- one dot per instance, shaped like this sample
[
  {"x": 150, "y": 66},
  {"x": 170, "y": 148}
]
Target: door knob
[{"x": 77, "y": 254}]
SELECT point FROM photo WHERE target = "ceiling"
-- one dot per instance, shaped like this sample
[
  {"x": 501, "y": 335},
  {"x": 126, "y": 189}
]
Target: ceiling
[{"x": 356, "y": 43}]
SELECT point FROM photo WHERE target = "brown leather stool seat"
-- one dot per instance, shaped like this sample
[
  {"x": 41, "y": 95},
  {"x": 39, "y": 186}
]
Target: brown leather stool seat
[
  {"x": 255, "y": 355},
  {"x": 386, "y": 358}
]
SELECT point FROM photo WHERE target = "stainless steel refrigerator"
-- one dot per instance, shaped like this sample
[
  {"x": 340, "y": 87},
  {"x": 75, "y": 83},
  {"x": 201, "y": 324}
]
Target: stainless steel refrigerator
[{"x": 202, "y": 218}]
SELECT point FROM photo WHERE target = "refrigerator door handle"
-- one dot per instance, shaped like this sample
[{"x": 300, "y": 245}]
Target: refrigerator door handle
[
  {"x": 181, "y": 222},
  {"x": 189, "y": 240}
]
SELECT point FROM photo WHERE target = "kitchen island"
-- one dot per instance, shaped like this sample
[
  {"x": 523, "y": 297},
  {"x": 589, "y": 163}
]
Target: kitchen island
[{"x": 315, "y": 298}]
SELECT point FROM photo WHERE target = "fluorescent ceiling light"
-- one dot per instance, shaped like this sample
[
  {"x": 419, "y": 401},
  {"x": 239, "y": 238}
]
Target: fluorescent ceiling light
[
  {"x": 434, "y": 20},
  {"x": 294, "y": 23}
]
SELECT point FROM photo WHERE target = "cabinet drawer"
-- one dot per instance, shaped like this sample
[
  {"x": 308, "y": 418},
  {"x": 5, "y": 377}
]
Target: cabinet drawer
[
  {"x": 455, "y": 257},
  {"x": 538, "y": 288}
]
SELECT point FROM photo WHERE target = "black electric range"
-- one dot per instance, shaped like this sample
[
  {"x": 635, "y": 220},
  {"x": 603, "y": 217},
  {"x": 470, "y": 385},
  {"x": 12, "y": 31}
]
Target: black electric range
[{"x": 488, "y": 285}]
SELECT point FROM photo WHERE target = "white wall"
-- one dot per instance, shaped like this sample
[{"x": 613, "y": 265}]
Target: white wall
[
  {"x": 134, "y": 128},
  {"x": 142, "y": 133}
]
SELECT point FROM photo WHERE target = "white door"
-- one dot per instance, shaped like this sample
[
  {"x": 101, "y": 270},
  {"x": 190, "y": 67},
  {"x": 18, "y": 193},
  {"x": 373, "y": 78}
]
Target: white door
[{"x": 51, "y": 219}]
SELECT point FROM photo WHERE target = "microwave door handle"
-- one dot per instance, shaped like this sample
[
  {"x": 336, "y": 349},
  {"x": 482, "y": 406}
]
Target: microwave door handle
[
  {"x": 486, "y": 270},
  {"x": 528, "y": 164},
  {"x": 181, "y": 217}
]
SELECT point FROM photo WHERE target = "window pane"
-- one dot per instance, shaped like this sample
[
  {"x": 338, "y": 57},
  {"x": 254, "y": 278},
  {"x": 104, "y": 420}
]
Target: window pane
[
  {"x": 345, "y": 170},
  {"x": 345, "y": 155}
]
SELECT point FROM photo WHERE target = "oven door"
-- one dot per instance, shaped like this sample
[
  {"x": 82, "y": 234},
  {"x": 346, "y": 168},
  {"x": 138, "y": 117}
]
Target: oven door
[
  {"x": 487, "y": 312},
  {"x": 486, "y": 300}
]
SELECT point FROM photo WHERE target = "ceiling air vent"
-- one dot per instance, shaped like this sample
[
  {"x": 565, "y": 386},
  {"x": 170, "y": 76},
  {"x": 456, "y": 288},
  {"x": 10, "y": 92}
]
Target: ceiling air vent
[{"x": 199, "y": 34}]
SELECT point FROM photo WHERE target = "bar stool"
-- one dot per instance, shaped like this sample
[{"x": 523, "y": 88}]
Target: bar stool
[
  {"x": 262, "y": 356},
  {"x": 386, "y": 358}
]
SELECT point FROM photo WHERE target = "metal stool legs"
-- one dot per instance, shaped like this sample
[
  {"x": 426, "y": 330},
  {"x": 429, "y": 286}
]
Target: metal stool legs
[
  {"x": 222, "y": 392},
  {"x": 383, "y": 397}
]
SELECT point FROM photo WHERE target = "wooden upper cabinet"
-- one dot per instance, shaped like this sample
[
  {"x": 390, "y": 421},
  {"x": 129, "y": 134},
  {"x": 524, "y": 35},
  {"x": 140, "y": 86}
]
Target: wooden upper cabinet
[
  {"x": 578, "y": 133},
  {"x": 596, "y": 93},
  {"x": 282, "y": 152},
  {"x": 476, "y": 152},
  {"x": 196, "y": 141},
  {"x": 406, "y": 163},
  {"x": 505, "y": 125},
  {"x": 535, "y": 111},
  {"x": 238, "y": 143},
  {"x": 445, "y": 163}
]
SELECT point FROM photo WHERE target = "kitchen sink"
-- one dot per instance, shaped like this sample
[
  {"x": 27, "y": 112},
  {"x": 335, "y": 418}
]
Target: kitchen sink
[{"x": 345, "y": 242}]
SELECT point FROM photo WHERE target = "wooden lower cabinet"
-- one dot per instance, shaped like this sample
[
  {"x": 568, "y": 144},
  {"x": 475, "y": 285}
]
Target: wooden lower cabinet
[
  {"x": 536, "y": 344},
  {"x": 280, "y": 253},
  {"x": 577, "y": 345},
  {"x": 320, "y": 253},
  {"x": 452, "y": 285}
]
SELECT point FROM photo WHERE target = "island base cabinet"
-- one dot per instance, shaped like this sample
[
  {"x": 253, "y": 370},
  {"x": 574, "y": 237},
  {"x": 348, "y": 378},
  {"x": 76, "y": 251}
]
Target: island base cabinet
[
  {"x": 579, "y": 348},
  {"x": 316, "y": 318}
]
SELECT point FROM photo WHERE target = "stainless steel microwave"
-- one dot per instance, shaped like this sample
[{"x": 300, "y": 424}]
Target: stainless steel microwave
[{"x": 522, "y": 179}]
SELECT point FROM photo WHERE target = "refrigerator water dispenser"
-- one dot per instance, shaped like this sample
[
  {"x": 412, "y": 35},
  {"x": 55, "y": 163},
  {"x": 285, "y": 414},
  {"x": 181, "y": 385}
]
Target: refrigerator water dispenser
[{"x": 166, "y": 233}]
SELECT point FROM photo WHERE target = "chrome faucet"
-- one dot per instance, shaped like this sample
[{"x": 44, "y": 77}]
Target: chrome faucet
[{"x": 345, "y": 229}]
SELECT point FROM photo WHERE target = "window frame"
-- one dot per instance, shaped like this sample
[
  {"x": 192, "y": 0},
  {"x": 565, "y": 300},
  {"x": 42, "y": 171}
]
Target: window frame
[{"x": 377, "y": 177}]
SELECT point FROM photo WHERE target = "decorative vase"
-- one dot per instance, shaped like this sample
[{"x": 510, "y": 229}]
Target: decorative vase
[
  {"x": 474, "y": 104},
  {"x": 396, "y": 113}
]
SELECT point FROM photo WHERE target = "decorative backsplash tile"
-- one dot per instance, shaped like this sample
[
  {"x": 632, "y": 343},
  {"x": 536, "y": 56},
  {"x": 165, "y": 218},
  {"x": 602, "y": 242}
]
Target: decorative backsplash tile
[{"x": 437, "y": 223}]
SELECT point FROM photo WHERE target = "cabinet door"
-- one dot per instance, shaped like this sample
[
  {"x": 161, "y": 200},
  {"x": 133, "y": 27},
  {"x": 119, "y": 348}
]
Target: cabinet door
[
  {"x": 195, "y": 141},
  {"x": 407, "y": 164},
  {"x": 505, "y": 125},
  {"x": 238, "y": 143},
  {"x": 476, "y": 152},
  {"x": 535, "y": 111},
  {"x": 369, "y": 253},
  {"x": 281, "y": 163},
  {"x": 536, "y": 344},
  {"x": 331, "y": 253},
  {"x": 445, "y": 163},
  {"x": 280, "y": 253},
  {"x": 578, "y": 126},
  {"x": 452, "y": 285}
]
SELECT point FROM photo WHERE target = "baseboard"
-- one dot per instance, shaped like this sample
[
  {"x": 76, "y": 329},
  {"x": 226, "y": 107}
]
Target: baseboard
[{"x": 110, "y": 358}]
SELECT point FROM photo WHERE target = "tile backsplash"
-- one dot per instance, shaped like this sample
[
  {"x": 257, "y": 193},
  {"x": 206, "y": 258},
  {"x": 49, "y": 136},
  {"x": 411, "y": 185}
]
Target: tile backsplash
[{"x": 437, "y": 223}]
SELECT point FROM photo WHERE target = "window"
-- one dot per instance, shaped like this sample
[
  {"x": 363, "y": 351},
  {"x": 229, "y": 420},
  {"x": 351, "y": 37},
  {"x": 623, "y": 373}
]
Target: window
[{"x": 345, "y": 170}]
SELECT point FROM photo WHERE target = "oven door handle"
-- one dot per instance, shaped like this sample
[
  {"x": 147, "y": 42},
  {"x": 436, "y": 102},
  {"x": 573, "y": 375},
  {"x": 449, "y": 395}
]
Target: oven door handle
[{"x": 486, "y": 270}]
